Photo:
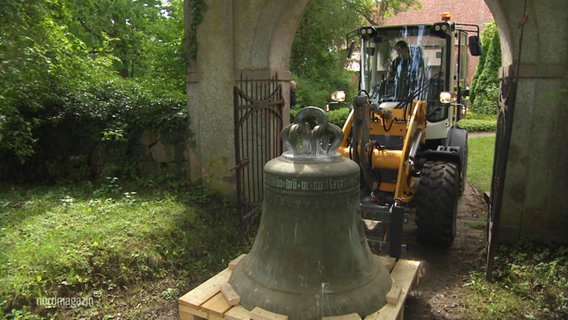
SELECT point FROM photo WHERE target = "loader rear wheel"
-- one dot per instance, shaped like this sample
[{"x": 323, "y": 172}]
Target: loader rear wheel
[{"x": 437, "y": 203}]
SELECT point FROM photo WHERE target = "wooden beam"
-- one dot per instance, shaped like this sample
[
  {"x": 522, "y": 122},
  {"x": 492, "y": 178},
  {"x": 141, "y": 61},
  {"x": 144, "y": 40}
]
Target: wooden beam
[
  {"x": 261, "y": 314},
  {"x": 230, "y": 294},
  {"x": 206, "y": 290},
  {"x": 233, "y": 264},
  {"x": 405, "y": 273}
]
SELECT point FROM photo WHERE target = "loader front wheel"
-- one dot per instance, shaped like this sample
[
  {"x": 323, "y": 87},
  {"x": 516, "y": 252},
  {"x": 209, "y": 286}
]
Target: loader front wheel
[{"x": 437, "y": 203}]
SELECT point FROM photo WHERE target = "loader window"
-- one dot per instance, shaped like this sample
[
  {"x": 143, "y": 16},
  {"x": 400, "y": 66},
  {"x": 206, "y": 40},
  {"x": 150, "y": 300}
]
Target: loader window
[
  {"x": 421, "y": 71},
  {"x": 388, "y": 74}
]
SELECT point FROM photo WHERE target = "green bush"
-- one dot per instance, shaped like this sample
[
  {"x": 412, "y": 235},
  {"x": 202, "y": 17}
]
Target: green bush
[
  {"x": 485, "y": 82},
  {"x": 315, "y": 90},
  {"x": 487, "y": 100},
  {"x": 478, "y": 122},
  {"x": 48, "y": 59},
  {"x": 104, "y": 117},
  {"x": 126, "y": 104},
  {"x": 339, "y": 116}
]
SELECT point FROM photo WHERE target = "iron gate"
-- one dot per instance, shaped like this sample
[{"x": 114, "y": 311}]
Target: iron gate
[
  {"x": 258, "y": 106},
  {"x": 505, "y": 114}
]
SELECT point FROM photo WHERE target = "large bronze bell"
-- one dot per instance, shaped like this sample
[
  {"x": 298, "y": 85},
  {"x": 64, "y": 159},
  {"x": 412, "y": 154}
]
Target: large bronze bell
[{"x": 310, "y": 258}]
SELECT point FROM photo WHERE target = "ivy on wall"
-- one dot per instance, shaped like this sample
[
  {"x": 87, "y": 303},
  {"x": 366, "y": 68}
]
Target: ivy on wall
[{"x": 196, "y": 7}]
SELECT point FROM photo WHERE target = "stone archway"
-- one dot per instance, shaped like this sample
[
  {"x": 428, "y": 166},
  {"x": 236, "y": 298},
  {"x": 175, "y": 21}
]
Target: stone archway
[
  {"x": 254, "y": 37},
  {"x": 250, "y": 39}
]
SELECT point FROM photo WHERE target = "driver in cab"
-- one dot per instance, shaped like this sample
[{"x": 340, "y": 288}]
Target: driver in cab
[{"x": 403, "y": 70}]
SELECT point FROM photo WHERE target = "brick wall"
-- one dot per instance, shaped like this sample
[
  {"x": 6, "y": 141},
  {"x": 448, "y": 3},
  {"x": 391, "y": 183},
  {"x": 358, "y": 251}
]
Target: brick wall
[{"x": 466, "y": 11}]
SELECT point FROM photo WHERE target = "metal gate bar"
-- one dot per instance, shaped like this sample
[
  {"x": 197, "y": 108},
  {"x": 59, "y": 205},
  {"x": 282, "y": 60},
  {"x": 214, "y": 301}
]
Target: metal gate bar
[
  {"x": 258, "y": 106},
  {"x": 502, "y": 142}
]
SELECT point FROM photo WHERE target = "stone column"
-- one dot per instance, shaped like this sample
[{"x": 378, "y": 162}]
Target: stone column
[
  {"x": 241, "y": 37},
  {"x": 534, "y": 202},
  {"x": 210, "y": 98}
]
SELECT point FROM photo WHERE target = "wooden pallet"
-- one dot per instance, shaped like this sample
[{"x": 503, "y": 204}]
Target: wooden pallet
[{"x": 215, "y": 299}]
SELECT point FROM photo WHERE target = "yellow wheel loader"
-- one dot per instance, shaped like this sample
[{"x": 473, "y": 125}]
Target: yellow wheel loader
[{"x": 402, "y": 129}]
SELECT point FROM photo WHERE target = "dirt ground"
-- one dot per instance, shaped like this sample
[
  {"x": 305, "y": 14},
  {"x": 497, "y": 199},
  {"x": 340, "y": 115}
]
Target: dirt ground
[{"x": 438, "y": 293}]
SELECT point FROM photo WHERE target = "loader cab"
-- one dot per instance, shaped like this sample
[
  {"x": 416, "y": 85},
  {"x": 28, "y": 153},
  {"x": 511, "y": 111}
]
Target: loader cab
[{"x": 436, "y": 62}]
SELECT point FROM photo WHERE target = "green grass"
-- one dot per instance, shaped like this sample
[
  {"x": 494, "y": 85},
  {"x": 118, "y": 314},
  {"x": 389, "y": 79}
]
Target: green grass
[
  {"x": 83, "y": 241},
  {"x": 480, "y": 162},
  {"x": 530, "y": 282},
  {"x": 530, "y": 279},
  {"x": 477, "y": 224}
]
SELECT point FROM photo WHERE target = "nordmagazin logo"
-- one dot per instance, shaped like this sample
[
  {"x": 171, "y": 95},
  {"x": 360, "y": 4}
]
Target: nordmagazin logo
[{"x": 64, "y": 302}]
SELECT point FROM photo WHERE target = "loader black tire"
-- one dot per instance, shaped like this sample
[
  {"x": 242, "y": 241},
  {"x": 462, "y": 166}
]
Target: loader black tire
[{"x": 436, "y": 203}]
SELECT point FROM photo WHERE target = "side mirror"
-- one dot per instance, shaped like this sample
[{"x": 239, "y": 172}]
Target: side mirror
[
  {"x": 350, "y": 50},
  {"x": 475, "y": 46}
]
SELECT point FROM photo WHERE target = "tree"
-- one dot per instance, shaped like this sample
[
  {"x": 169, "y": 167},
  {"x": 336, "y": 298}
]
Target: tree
[
  {"x": 318, "y": 58},
  {"x": 485, "y": 82},
  {"x": 316, "y": 61},
  {"x": 39, "y": 57},
  {"x": 144, "y": 36},
  {"x": 55, "y": 49},
  {"x": 389, "y": 8}
]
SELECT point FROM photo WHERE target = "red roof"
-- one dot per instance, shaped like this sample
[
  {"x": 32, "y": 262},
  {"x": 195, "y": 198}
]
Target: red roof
[{"x": 464, "y": 11}]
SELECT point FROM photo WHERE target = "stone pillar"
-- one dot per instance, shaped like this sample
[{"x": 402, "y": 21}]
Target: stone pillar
[
  {"x": 534, "y": 203},
  {"x": 243, "y": 37},
  {"x": 210, "y": 98}
]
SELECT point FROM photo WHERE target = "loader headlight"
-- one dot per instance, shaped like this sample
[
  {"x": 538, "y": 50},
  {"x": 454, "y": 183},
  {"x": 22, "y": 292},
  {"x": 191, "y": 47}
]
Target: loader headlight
[
  {"x": 440, "y": 29},
  {"x": 338, "y": 96},
  {"x": 447, "y": 97},
  {"x": 367, "y": 31}
]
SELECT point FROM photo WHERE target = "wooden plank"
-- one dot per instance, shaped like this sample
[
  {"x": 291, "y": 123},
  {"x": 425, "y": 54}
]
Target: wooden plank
[
  {"x": 351, "y": 316},
  {"x": 212, "y": 300},
  {"x": 261, "y": 314},
  {"x": 394, "y": 293},
  {"x": 216, "y": 305},
  {"x": 188, "y": 316},
  {"x": 191, "y": 313},
  {"x": 233, "y": 264},
  {"x": 404, "y": 273},
  {"x": 213, "y": 316},
  {"x": 230, "y": 294},
  {"x": 206, "y": 290},
  {"x": 237, "y": 313}
]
